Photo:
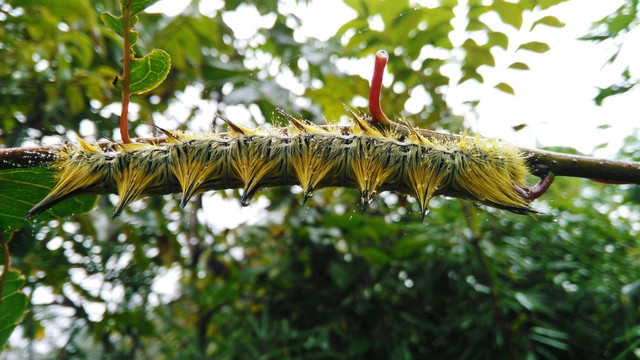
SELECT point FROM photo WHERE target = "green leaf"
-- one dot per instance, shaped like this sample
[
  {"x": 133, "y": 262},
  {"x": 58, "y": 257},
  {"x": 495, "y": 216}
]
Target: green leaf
[
  {"x": 116, "y": 25},
  {"x": 549, "y": 21},
  {"x": 147, "y": 73},
  {"x": 68, "y": 9},
  {"x": 12, "y": 305},
  {"x": 510, "y": 13},
  {"x": 498, "y": 39},
  {"x": 21, "y": 189},
  {"x": 525, "y": 301},
  {"x": 139, "y": 5},
  {"x": 519, "y": 66},
  {"x": 374, "y": 256},
  {"x": 619, "y": 23},
  {"x": 545, "y": 4},
  {"x": 535, "y": 46},
  {"x": 505, "y": 87},
  {"x": 477, "y": 55},
  {"x": 550, "y": 333},
  {"x": 611, "y": 91}
]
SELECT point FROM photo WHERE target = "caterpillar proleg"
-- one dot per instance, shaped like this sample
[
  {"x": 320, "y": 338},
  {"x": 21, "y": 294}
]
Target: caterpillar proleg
[{"x": 372, "y": 155}]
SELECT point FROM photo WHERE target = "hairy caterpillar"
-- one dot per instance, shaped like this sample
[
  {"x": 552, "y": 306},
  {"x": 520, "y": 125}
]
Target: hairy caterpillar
[{"x": 372, "y": 155}]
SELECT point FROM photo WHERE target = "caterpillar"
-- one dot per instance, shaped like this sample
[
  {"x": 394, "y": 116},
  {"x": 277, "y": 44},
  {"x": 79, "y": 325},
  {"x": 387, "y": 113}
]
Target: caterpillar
[{"x": 372, "y": 155}]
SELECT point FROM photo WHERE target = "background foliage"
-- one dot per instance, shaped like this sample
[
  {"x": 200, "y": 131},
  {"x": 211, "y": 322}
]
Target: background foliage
[{"x": 316, "y": 281}]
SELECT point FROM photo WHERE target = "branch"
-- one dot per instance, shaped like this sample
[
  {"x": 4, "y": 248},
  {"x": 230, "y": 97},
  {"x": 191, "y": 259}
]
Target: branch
[{"x": 558, "y": 163}]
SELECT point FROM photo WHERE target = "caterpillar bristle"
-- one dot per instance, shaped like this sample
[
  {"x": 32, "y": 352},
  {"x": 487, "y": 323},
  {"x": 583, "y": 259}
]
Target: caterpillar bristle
[
  {"x": 415, "y": 135},
  {"x": 235, "y": 129},
  {"x": 171, "y": 136},
  {"x": 366, "y": 127},
  {"x": 87, "y": 147},
  {"x": 76, "y": 170},
  {"x": 302, "y": 125},
  {"x": 363, "y": 156},
  {"x": 426, "y": 174},
  {"x": 306, "y": 195}
]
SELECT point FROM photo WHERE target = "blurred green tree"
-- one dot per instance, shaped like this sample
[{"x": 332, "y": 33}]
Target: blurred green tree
[{"x": 315, "y": 281}]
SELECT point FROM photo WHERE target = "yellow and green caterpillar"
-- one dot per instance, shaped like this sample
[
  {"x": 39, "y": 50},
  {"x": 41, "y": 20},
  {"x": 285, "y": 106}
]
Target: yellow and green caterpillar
[
  {"x": 372, "y": 155},
  {"x": 488, "y": 171}
]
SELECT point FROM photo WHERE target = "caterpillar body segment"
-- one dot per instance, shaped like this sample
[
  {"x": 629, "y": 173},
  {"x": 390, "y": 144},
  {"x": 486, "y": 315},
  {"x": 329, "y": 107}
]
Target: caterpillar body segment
[{"x": 362, "y": 156}]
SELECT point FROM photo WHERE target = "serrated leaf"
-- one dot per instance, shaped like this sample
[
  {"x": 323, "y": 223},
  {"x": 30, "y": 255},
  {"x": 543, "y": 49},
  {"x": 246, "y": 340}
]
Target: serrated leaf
[
  {"x": 12, "y": 305},
  {"x": 549, "y": 21},
  {"x": 535, "y": 46},
  {"x": 116, "y": 25},
  {"x": 21, "y": 189},
  {"x": 519, "y": 66},
  {"x": 505, "y": 87},
  {"x": 147, "y": 73}
]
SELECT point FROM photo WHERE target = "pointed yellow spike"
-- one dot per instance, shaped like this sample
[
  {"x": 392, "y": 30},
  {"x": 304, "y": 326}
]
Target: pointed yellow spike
[
  {"x": 131, "y": 184},
  {"x": 368, "y": 171},
  {"x": 73, "y": 175},
  {"x": 365, "y": 126},
  {"x": 87, "y": 147},
  {"x": 236, "y": 129},
  {"x": 303, "y": 126},
  {"x": 309, "y": 163},
  {"x": 425, "y": 176},
  {"x": 252, "y": 163},
  {"x": 171, "y": 136},
  {"x": 419, "y": 138},
  {"x": 133, "y": 176},
  {"x": 125, "y": 148},
  {"x": 308, "y": 193}
]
